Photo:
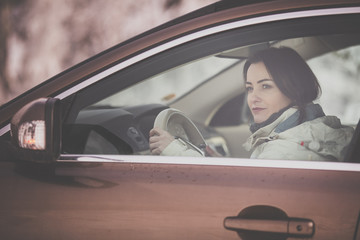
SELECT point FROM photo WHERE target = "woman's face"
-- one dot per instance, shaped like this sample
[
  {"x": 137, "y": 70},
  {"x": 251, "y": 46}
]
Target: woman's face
[{"x": 264, "y": 97}]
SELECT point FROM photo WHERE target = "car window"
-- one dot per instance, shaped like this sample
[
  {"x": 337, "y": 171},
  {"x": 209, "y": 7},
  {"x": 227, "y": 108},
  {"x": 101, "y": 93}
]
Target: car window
[
  {"x": 170, "y": 85},
  {"x": 338, "y": 73},
  {"x": 209, "y": 89}
]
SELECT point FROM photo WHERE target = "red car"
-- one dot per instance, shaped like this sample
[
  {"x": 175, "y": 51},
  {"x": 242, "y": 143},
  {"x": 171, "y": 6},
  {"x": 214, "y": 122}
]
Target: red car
[{"x": 75, "y": 158}]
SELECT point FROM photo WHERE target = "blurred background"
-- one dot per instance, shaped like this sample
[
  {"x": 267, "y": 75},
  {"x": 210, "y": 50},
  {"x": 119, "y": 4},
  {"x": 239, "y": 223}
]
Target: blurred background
[{"x": 40, "y": 38}]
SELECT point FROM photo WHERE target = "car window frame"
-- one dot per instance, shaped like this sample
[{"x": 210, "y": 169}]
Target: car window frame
[{"x": 183, "y": 50}]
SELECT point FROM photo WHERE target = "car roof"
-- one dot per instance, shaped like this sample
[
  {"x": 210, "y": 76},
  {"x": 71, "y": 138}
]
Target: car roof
[
  {"x": 209, "y": 9},
  {"x": 230, "y": 4}
]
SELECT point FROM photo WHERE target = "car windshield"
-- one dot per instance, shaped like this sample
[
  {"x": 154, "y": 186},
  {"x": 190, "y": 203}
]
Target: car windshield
[{"x": 167, "y": 87}]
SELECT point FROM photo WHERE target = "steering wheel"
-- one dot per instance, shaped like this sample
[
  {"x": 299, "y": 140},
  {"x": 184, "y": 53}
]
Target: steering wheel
[{"x": 182, "y": 128}]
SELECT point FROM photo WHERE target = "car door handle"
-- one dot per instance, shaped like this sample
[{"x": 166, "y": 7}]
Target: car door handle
[{"x": 292, "y": 226}]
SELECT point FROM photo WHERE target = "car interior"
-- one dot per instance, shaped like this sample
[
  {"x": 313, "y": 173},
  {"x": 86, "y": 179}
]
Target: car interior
[{"x": 216, "y": 104}]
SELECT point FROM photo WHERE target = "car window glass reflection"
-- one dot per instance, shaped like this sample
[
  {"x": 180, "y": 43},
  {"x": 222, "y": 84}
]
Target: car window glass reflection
[
  {"x": 170, "y": 85},
  {"x": 338, "y": 74}
]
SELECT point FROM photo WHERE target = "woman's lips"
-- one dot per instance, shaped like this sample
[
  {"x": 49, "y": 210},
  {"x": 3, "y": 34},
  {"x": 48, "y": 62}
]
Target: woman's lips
[{"x": 256, "y": 110}]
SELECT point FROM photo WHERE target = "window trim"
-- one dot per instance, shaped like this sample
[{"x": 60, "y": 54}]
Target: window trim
[{"x": 227, "y": 162}]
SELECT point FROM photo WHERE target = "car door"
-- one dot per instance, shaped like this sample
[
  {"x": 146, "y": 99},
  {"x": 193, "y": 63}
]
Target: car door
[{"x": 106, "y": 184}]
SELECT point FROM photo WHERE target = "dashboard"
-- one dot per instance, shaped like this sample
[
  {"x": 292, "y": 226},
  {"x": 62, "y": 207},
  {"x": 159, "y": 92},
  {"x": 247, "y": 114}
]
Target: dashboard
[{"x": 125, "y": 130}]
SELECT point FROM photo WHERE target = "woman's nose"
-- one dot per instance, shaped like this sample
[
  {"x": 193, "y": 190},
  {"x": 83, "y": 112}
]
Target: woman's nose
[{"x": 254, "y": 97}]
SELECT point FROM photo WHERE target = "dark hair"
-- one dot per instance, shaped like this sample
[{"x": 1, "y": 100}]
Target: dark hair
[{"x": 290, "y": 73}]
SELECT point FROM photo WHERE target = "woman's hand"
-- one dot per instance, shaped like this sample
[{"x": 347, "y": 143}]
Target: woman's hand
[{"x": 159, "y": 140}]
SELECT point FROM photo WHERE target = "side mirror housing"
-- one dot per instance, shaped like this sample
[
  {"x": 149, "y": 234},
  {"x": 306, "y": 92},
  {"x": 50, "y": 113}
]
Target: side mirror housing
[{"x": 36, "y": 131}]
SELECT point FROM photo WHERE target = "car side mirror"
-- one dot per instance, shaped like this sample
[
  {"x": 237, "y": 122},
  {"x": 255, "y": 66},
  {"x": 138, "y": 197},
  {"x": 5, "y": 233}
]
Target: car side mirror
[{"x": 36, "y": 131}]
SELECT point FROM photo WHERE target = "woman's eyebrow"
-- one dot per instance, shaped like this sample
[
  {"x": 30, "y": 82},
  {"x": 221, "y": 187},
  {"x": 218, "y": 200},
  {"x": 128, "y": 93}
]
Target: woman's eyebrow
[
  {"x": 260, "y": 81},
  {"x": 264, "y": 80}
]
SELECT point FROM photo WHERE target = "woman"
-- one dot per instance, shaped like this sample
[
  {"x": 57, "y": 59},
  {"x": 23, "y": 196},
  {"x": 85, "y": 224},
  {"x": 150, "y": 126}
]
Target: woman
[{"x": 286, "y": 124}]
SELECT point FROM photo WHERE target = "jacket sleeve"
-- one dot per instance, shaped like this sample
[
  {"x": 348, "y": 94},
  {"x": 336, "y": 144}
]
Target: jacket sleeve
[{"x": 178, "y": 148}]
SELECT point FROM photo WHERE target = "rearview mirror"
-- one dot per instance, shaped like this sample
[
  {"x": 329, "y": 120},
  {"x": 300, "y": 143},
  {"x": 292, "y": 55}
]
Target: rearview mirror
[{"x": 36, "y": 130}]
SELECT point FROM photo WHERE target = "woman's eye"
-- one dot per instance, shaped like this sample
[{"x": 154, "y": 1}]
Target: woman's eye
[
  {"x": 249, "y": 89},
  {"x": 266, "y": 86}
]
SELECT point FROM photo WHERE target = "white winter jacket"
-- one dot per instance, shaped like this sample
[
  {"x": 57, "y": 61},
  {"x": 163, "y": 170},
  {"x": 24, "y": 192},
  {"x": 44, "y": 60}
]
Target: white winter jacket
[{"x": 319, "y": 139}]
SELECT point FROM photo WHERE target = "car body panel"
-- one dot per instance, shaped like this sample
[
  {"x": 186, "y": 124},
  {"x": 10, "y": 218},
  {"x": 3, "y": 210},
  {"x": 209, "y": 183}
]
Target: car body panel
[{"x": 177, "y": 201}]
